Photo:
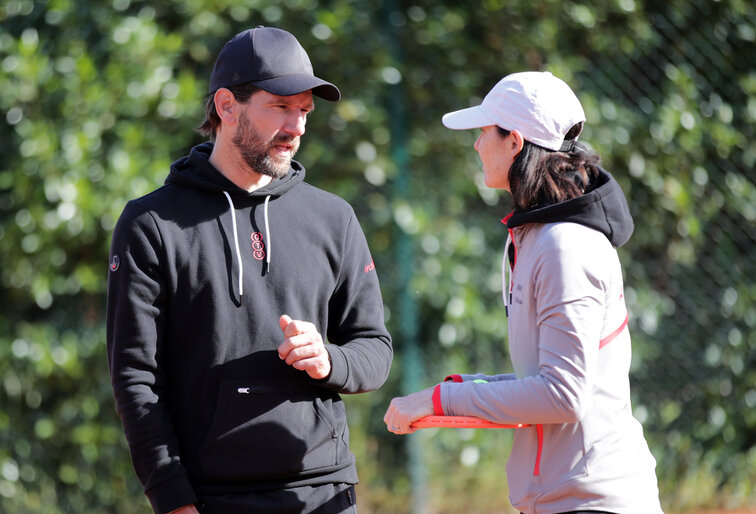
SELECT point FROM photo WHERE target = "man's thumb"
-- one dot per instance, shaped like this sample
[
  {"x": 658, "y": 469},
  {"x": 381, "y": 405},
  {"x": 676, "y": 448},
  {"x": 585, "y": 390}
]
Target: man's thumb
[{"x": 283, "y": 321}]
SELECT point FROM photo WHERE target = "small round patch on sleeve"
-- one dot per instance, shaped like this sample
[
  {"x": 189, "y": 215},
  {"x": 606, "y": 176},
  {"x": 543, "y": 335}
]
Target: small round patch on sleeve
[{"x": 115, "y": 263}]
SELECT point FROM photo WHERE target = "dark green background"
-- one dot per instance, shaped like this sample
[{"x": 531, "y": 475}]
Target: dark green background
[{"x": 98, "y": 98}]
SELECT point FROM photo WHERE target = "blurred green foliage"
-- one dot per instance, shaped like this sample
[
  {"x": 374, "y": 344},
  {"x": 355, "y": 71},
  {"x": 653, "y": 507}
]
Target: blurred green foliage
[{"x": 100, "y": 97}]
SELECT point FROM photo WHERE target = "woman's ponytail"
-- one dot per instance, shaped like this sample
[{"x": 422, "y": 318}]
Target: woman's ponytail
[{"x": 540, "y": 177}]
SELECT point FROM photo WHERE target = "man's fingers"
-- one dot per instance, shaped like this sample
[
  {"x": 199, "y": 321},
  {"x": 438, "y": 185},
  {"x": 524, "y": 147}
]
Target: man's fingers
[
  {"x": 294, "y": 327},
  {"x": 302, "y": 339},
  {"x": 283, "y": 321},
  {"x": 306, "y": 363},
  {"x": 302, "y": 352},
  {"x": 303, "y": 347}
]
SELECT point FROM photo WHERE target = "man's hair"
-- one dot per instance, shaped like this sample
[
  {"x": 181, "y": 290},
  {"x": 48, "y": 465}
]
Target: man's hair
[
  {"x": 539, "y": 177},
  {"x": 209, "y": 127}
]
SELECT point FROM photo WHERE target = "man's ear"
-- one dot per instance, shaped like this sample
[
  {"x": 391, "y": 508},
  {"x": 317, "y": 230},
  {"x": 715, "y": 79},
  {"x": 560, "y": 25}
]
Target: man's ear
[
  {"x": 517, "y": 141},
  {"x": 225, "y": 104}
]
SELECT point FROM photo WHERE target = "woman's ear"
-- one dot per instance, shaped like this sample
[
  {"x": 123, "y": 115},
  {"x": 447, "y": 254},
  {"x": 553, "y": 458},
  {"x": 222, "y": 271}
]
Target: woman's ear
[
  {"x": 224, "y": 106},
  {"x": 517, "y": 141}
]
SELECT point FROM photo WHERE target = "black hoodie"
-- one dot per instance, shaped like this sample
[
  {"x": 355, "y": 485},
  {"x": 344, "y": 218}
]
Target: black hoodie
[
  {"x": 603, "y": 207},
  {"x": 200, "y": 272}
]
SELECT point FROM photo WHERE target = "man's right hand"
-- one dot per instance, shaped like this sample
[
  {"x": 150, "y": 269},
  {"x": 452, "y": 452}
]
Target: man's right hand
[{"x": 303, "y": 348}]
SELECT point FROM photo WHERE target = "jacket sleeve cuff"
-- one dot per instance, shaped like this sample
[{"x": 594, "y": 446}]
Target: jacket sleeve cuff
[
  {"x": 438, "y": 410},
  {"x": 339, "y": 374},
  {"x": 171, "y": 494}
]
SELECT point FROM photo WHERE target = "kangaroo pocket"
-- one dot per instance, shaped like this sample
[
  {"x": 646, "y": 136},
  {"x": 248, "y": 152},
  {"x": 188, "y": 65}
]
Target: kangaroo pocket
[{"x": 270, "y": 430}]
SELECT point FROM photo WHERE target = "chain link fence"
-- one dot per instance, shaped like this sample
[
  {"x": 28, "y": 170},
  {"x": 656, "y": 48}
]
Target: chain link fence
[{"x": 671, "y": 107}]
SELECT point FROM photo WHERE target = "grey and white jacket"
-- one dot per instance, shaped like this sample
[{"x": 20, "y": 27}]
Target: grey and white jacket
[{"x": 570, "y": 348}]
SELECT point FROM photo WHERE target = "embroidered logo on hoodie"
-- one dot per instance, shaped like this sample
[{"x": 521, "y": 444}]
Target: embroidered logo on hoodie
[
  {"x": 258, "y": 246},
  {"x": 115, "y": 263}
]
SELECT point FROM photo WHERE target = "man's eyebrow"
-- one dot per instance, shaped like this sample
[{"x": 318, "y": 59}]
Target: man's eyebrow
[
  {"x": 308, "y": 108},
  {"x": 284, "y": 100}
]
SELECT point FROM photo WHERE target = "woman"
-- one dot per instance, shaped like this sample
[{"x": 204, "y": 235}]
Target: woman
[{"x": 568, "y": 335}]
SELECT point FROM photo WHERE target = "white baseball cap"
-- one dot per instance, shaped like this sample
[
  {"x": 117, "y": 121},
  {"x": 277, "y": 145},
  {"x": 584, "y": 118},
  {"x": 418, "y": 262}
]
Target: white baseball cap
[{"x": 537, "y": 104}]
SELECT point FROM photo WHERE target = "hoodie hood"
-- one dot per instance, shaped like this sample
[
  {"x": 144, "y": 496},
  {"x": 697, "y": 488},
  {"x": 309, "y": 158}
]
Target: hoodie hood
[
  {"x": 195, "y": 171},
  {"x": 603, "y": 207}
]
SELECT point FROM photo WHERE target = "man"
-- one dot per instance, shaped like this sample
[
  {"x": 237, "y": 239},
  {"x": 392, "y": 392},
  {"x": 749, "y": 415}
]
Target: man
[{"x": 223, "y": 285}]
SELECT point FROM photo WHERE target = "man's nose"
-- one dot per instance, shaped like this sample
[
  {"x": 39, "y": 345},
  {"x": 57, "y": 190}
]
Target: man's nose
[{"x": 295, "y": 124}]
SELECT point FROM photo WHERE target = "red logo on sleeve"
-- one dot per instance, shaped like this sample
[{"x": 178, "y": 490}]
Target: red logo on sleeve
[{"x": 370, "y": 267}]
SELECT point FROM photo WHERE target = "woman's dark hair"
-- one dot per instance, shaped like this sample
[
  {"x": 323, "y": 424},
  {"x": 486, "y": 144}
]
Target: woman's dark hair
[
  {"x": 540, "y": 177},
  {"x": 209, "y": 127}
]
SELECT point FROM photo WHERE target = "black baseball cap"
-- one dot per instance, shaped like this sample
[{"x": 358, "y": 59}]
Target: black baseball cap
[{"x": 271, "y": 59}]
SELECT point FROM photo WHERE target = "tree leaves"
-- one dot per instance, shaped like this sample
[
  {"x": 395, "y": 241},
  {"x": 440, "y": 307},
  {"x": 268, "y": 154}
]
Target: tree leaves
[{"x": 99, "y": 99}]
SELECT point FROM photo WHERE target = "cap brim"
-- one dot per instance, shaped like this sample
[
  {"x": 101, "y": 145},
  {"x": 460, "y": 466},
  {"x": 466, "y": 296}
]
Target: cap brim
[
  {"x": 470, "y": 118},
  {"x": 295, "y": 84}
]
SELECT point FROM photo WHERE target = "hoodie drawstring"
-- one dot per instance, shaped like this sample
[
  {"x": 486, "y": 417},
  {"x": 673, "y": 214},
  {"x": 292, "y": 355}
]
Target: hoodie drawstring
[
  {"x": 236, "y": 243},
  {"x": 267, "y": 235},
  {"x": 236, "y": 240},
  {"x": 508, "y": 266},
  {"x": 507, "y": 276}
]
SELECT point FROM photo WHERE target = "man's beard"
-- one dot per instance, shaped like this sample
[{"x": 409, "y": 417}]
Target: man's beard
[{"x": 256, "y": 152}]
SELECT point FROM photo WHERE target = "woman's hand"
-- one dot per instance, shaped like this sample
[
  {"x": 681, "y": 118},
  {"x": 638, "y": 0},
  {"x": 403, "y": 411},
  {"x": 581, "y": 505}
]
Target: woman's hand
[{"x": 405, "y": 409}]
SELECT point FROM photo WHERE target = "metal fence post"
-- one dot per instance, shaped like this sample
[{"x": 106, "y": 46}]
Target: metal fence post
[{"x": 407, "y": 336}]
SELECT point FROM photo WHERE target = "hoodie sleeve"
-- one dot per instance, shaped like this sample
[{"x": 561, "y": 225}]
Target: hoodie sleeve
[
  {"x": 360, "y": 349},
  {"x": 135, "y": 337},
  {"x": 570, "y": 288},
  {"x": 481, "y": 377}
]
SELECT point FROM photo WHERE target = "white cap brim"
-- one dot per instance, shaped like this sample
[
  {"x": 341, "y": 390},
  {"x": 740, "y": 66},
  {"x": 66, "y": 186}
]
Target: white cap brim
[{"x": 464, "y": 119}]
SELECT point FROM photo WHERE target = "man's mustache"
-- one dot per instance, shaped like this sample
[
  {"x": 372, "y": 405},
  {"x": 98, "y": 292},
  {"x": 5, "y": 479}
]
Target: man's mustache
[{"x": 284, "y": 139}]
